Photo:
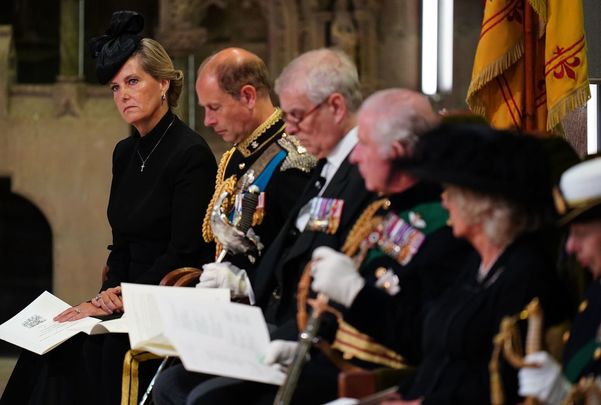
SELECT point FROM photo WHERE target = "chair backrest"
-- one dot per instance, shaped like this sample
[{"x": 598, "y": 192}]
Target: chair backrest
[{"x": 183, "y": 276}]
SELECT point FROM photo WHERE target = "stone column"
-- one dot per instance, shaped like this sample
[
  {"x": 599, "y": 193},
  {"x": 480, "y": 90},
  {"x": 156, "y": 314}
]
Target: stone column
[
  {"x": 180, "y": 33},
  {"x": 69, "y": 92},
  {"x": 69, "y": 38},
  {"x": 8, "y": 69},
  {"x": 399, "y": 51}
]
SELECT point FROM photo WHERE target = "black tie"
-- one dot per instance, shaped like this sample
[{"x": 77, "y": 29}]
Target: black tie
[
  {"x": 317, "y": 181},
  {"x": 315, "y": 184}
]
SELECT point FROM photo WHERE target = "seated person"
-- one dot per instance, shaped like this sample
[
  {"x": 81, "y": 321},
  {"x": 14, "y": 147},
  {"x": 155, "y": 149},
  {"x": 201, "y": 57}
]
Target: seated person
[
  {"x": 319, "y": 94},
  {"x": 546, "y": 380},
  {"x": 234, "y": 90},
  {"x": 163, "y": 176},
  {"x": 498, "y": 208},
  {"x": 400, "y": 256}
]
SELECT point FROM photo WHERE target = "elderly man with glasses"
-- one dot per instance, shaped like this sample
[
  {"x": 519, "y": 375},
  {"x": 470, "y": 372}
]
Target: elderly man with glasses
[{"x": 319, "y": 94}]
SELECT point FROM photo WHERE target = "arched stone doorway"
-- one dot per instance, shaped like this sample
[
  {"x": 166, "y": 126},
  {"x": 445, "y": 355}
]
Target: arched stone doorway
[{"x": 25, "y": 254}]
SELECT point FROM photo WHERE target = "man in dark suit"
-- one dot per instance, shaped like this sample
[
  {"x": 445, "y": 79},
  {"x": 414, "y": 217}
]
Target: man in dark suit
[{"x": 320, "y": 94}]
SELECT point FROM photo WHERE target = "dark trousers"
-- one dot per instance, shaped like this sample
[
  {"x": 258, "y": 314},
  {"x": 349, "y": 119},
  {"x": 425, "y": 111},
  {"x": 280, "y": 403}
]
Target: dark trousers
[{"x": 176, "y": 386}]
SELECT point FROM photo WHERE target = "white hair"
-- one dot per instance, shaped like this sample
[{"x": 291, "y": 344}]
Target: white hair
[
  {"x": 398, "y": 115},
  {"x": 321, "y": 72},
  {"x": 502, "y": 220}
]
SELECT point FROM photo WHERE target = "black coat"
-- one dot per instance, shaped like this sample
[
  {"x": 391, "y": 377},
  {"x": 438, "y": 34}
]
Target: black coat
[
  {"x": 459, "y": 329},
  {"x": 156, "y": 215},
  {"x": 276, "y": 279}
]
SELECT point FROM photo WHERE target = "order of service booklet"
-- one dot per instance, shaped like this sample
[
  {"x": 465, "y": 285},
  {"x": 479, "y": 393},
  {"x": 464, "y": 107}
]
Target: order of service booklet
[
  {"x": 225, "y": 339},
  {"x": 34, "y": 329},
  {"x": 145, "y": 325}
]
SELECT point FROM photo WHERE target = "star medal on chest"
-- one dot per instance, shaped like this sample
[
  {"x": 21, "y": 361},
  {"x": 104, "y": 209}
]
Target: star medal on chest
[{"x": 144, "y": 160}]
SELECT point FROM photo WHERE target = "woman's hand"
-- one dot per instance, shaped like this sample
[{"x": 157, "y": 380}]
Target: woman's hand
[
  {"x": 109, "y": 300},
  {"x": 79, "y": 311}
]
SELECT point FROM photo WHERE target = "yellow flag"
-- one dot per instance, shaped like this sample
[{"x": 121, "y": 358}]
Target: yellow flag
[
  {"x": 496, "y": 90},
  {"x": 566, "y": 68}
]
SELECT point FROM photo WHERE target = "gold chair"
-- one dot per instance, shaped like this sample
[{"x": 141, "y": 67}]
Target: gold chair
[{"x": 181, "y": 277}]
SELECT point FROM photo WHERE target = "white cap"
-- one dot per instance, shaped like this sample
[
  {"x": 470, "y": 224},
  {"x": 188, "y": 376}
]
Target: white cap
[{"x": 581, "y": 187}]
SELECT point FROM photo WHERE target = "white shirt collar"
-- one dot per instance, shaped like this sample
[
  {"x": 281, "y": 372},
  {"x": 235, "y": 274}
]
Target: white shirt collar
[{"x": 341, "y": 151}]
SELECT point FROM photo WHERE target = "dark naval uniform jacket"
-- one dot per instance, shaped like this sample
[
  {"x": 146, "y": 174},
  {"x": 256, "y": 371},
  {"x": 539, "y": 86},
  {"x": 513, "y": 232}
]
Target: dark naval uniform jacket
[
  {"x": 582, "y": 354},
  {"x": 411, "y": 259},
  {"x": 408, "y": 257},
  {"x": 281, "y": 168},
  {"x": 278, "y": 274}
]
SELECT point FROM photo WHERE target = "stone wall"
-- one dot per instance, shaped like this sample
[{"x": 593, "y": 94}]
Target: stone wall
[{"x": 56, "y": 145}]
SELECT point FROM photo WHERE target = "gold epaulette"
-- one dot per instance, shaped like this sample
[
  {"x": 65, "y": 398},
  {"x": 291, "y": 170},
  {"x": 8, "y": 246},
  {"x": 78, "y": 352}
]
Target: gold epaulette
[
  {"x": 297, "y": 157},
  {"x": 221, "y": 185},
  {"x": 353, "y": 343}
]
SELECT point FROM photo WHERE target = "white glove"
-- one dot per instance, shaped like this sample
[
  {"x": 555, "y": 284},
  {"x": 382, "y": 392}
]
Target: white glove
[
  {"x": 546, "y": 383},
  {"x": 226, "y": 275},
  {"x": 280, "y": 352},
  {"x": 334, "y": 274}
]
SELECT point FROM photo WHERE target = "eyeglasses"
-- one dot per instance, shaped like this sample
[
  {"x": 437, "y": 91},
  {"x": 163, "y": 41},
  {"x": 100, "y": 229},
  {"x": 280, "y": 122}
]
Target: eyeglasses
[{"x": 296, "y": 118}]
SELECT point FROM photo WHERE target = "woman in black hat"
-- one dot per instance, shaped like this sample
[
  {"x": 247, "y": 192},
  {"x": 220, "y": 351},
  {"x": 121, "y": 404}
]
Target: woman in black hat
[
  {"x": 497, "y": 191},
  {"x": 163, "y": 179}
]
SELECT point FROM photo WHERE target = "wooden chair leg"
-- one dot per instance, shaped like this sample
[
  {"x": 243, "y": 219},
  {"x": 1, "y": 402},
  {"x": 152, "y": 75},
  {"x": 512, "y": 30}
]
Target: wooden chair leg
[{"x": 356, "y": 383}]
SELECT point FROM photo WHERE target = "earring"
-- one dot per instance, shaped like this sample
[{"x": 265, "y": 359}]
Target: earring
[{"x": 162, "y": 98}]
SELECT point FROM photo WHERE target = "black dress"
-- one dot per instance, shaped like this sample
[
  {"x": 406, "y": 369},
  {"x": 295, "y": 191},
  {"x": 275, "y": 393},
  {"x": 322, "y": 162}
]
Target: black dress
[
  {"x": 156, "y": 214},
  {"x": 458, "y": 330},
  {"x": 156, "y": 219}
]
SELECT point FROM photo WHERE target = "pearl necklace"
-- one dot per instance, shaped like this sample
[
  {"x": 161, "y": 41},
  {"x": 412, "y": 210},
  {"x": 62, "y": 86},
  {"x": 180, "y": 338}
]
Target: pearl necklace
[{"x": 155, "y": 146}]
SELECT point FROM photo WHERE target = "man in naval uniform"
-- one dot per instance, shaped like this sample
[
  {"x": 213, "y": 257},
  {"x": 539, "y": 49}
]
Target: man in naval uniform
[
  {"x": 320, "y": 94},
  {"x": 548, "y": 381},
  {"x": 233, "y": 88},
  {"x": 399, "y": 256}
]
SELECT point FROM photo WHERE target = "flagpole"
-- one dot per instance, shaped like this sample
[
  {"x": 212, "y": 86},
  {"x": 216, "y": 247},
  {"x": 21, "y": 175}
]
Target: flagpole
[{"x": 530, "y": 37}]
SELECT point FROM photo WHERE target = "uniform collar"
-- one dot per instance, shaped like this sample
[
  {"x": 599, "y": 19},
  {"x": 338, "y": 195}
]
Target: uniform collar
[{"x": 264, "y": 133}]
